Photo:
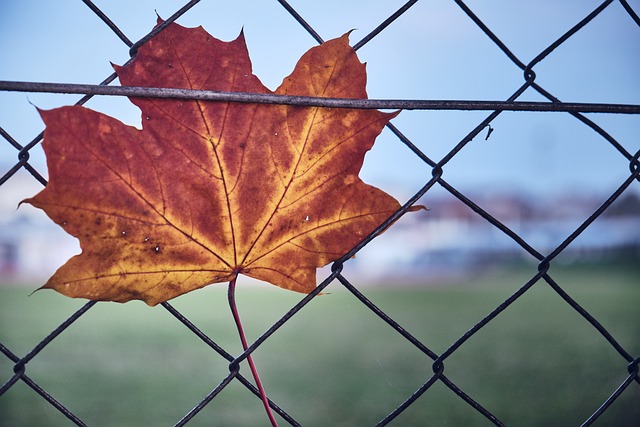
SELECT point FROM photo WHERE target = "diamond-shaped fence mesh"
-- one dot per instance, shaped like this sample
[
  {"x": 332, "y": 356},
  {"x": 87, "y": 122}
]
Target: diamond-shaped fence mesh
[{"x": 428, "y": 382}]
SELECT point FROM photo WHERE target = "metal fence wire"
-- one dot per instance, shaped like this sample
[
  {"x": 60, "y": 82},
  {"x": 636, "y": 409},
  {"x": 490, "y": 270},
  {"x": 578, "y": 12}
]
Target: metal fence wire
[{"x": 438, "y": 361}]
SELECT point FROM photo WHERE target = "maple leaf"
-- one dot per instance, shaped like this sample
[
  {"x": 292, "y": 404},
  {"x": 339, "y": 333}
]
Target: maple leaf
[{"x": 209, "y": 190}]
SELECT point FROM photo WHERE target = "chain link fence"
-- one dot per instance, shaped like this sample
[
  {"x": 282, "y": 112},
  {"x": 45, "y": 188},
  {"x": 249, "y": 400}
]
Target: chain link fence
[{"x": 545, "y": 259}]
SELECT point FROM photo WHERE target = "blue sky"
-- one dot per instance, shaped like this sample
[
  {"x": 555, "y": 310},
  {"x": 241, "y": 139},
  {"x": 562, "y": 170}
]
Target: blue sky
[{"x": 434, "y": 51}]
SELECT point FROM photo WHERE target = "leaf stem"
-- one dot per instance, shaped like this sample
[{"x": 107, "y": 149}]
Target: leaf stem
[{"x": 236, "y": 317}]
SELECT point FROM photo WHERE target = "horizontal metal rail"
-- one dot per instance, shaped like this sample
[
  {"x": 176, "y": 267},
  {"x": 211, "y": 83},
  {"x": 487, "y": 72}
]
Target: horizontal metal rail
[{"x": 309, "y": 101}]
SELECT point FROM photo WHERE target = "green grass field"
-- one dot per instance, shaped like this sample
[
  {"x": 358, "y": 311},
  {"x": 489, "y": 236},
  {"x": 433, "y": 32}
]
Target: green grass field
[{"x": 335, "y": 363}]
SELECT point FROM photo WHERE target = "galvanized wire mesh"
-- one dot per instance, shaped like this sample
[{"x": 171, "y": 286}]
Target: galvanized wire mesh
[{"x": 437, "y": 360}]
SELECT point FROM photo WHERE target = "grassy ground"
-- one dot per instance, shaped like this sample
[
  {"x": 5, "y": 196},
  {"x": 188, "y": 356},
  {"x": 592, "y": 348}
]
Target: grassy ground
[{"x": 335, "y": 363}]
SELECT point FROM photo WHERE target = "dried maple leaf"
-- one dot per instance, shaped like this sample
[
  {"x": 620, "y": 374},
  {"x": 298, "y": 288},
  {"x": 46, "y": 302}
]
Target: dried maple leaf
[{"x": 209, "y": 190}]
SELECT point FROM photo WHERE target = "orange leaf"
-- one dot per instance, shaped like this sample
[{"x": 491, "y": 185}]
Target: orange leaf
[{"x": 209, "y": 190}]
